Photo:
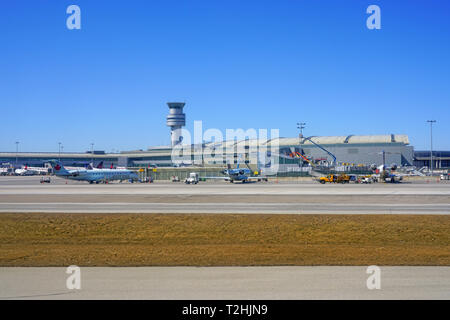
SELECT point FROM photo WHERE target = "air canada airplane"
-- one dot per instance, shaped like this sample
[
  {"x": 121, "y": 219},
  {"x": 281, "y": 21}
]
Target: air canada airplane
[
  {"x": 29, "y": 171},
  {"x": 99, "y": 166},
  {"x": 93, "y": 176}
]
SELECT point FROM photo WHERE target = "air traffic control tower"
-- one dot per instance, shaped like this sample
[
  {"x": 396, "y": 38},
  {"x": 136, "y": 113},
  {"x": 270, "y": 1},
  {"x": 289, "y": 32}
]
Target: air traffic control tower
[{"x": 175, "y": 120}]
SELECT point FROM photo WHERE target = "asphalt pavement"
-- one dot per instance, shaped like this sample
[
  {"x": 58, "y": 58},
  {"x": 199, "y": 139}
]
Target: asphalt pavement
[{"x": 167, "y": 283}]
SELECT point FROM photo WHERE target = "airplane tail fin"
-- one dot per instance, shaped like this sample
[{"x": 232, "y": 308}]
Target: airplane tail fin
[
  {"x": 100, "y": 165},
  {"x": 238, "y": 162},
  {"x": 58, "y": 168}
]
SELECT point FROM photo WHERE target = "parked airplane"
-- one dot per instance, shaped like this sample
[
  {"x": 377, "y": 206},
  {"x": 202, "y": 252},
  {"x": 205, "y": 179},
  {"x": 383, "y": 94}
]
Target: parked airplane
[
  {"x": 238, "y": 174},
  {"x": 91, "y": 176},
  {"x": 385, "y": 174},
  {"x": 99, "y": 166},
  {"x": 30, "y": 171}
]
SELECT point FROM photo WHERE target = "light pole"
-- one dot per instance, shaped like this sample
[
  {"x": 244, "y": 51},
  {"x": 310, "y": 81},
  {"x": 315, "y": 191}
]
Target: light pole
[
  {"x": 301, "y": 126},
  {"x": 59, "y": 150},
  {"x": 17, "y": 150},
  {"x": 431, "y": 144}
]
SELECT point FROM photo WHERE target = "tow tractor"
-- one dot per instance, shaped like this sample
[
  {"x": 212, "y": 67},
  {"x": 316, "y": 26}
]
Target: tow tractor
[
  {"x": 45, "y": 180},
  {"x": 193, "y": 178}
]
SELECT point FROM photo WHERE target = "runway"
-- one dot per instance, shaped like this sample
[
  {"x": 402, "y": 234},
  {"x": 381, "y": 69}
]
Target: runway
[
  {"x": 228, "y": 283},
  {"x": 31, "y": 185},
  {"x": 26, "y": 194},
  {"x": 249, "y": 208}
]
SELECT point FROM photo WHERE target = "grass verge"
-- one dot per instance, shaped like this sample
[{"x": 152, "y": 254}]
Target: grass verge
[{"x": 35, "y": 239}]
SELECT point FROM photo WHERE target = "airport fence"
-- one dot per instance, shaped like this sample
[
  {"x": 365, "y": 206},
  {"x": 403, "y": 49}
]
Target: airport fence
[{"x": 180, "y": 174}]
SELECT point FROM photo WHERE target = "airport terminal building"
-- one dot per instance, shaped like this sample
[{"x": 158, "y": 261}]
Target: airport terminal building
[
  {"x": 296, "y": 154},
  {"x": 291, "y": 153}
]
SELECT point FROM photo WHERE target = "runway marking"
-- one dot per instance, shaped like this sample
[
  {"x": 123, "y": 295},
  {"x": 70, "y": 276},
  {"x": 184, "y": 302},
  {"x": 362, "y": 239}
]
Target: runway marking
[
  {"x": 226, "y": 207},
  {"x": 447, "y": 206}
]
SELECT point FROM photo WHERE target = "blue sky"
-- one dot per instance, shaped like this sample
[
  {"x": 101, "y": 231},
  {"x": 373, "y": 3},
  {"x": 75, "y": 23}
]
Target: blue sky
[{"x": 236, "y": 64}]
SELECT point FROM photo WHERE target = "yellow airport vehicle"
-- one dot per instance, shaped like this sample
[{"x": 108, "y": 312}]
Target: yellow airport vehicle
[{"x": 342, "y": 178}]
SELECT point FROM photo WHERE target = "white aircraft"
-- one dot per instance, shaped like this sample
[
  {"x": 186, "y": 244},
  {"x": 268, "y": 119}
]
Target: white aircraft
[
  {"x": 238, "y": 174},
  {"x": 93, "y": 176},
  {"x": 30, "y": 171},
  {"x": 385, "y": 174}
]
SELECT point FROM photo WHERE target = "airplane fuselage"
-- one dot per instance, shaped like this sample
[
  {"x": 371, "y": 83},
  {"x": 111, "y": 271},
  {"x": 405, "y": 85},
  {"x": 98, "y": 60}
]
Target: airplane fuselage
[
  {"x": 238, "y": 174},
  {"x": 99, "y": 175}
]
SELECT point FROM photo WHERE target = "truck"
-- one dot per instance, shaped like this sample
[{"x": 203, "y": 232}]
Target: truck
[
  {"x": 342, "y": 178},
  {"x": 192, "y": 179}
]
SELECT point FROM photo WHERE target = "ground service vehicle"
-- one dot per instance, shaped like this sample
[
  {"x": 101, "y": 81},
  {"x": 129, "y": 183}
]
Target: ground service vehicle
[
  {"x": 45, "y": 180},
  {"x": 342, "y": 178},
  {"x": 193, "y": 178}
]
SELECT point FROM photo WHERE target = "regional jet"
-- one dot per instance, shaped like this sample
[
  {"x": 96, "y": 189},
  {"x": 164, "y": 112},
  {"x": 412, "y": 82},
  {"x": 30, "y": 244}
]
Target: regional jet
[
  {"x": 30, "y": 171},
  {"x": 93, "y": 176}
]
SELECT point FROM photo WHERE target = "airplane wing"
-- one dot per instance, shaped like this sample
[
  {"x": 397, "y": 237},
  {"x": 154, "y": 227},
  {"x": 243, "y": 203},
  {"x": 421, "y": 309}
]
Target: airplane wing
[
  {"x": 258, "y": 178},
  {"x": 221, "y": 178}
]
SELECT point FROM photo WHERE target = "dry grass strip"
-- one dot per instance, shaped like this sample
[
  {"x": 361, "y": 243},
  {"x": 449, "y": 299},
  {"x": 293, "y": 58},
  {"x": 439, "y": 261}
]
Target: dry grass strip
[{"x": 38, "y": 239}]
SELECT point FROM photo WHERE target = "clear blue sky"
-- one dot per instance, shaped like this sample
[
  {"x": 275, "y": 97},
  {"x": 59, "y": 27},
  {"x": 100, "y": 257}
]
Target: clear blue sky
[{"x": 237, "y": 64}]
